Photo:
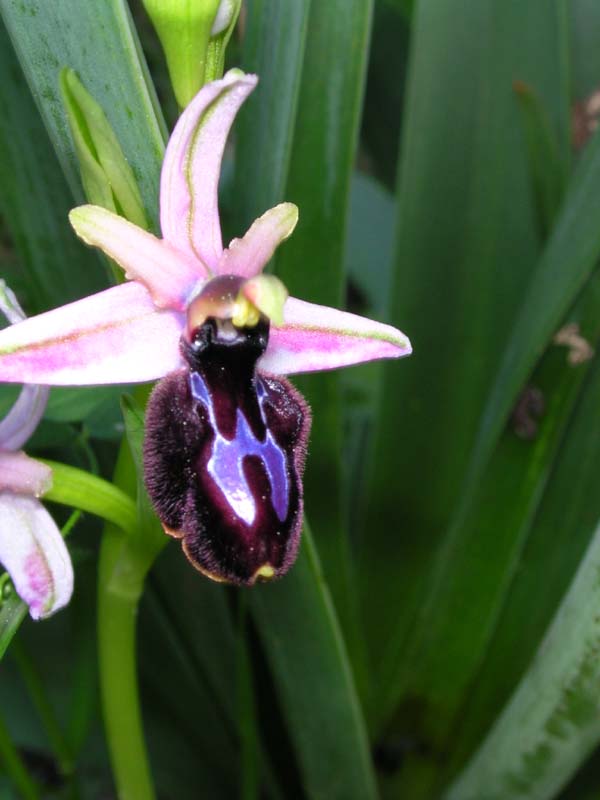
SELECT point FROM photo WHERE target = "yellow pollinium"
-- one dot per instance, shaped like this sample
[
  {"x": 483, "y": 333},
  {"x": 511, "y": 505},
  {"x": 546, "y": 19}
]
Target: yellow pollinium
[
  {"x": 245, "y": 313},
  {"x": 265, "y": 573}
]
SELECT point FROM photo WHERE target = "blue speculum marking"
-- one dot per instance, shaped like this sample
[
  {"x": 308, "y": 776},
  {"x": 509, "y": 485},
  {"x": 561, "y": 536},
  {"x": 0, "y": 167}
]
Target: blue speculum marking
[{"x": 225, "y": 465}]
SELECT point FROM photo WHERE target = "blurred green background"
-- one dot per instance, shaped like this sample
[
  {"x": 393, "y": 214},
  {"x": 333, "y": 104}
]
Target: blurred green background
[{"x": 439, "y": 636}]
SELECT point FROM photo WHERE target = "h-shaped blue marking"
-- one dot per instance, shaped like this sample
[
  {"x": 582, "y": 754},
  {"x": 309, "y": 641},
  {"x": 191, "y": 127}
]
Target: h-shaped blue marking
[{"x": 226, "y": 460}]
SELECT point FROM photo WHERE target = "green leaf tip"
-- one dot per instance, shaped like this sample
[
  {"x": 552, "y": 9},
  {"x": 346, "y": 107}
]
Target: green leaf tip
[{"x": 107, "y": 178}]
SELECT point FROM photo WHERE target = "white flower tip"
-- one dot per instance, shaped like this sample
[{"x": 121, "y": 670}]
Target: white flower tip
[
  {"x": 236, "y": 75},
  {"x": 223, "y": 17},
  {"x": 82, "y": 218},
  {"x": 288, "y": 218},
  {"x": 34, "y": 554},
  {"x": 46, "y": 590},
  {"x": 24, "y": 475}
]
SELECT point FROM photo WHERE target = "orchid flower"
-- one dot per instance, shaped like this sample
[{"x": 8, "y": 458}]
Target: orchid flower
[
  {"x": 32, "y": 549},
  {"x": 222, "y": 332}
]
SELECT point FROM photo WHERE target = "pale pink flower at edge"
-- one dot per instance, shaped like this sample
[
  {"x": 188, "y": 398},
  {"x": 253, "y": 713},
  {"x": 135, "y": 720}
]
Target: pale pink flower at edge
[
  {"x": 131, "y": 332},
  {"x": 32, "y": 549}
]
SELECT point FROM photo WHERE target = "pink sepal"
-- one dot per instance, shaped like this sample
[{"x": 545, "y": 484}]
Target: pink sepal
[
  {"x": 115, "y": 336},
  {"x": 169, "y": 275},
  {"x": 189, "y": 212},
  {"x": 248, "y": 255},
  {"x": 317, "y": 337}
]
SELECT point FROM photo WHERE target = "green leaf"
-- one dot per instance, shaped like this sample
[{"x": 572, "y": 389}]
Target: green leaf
[
  {"x": 442, "y": 660},
  {"x": 552, "y": 721},
  {"x": 548, "y": 172},
  {"x": 584, "y": 19},
  {"x": 311, "y": 264},
  {"x": 556, "y": 541},
  {"x": 12, "y": 613},
  {"x": 52, "y": 266},
  {"x": 567, "y": 262},
  {"x": 466, "y": 242},
  {"x": 313, "y": 679},
  {"x": 106, "y": 176},
  {"x": 273, "y": 48},
  {"x": 76, "y": 405},
  {"x": 99, "y": 42}
]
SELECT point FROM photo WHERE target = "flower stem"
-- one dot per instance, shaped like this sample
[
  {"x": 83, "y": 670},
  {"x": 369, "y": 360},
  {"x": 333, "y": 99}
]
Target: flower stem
[
  {"x": 124, "y": 564},
  {"x": 15, "y": 769},
  {"x": 120, "y": 587},
  {"x": 80, "y": 489}
]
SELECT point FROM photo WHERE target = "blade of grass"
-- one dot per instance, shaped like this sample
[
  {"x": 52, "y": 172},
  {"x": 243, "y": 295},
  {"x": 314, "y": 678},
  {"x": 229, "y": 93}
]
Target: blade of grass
[
  {"x": 52, "y": 267},
  {"x": 312, "y": 263},
  {"x": 299, "y": 630},
  {"x": 273, "y": 47},
  {"x": 466, "y": 244},
  {"x": 552, "y": 721},
  {"x": 99, "y": 42},
  {"x": 556, "y": 543}
]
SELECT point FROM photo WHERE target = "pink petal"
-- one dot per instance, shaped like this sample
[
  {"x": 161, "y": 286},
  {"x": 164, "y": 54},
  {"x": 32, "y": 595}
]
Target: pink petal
[
  {"x": 115, "y": 336},
  {"x": 317, "y": 337},
  {"x": 189, "y": 212},
  {"x": 248, "y": 256},
  {"x": 24, "y": 475},
  {"x": 169, "y": 276},
  {"x": 34, "y": 554},
  {"x": 23, "y": 418}
]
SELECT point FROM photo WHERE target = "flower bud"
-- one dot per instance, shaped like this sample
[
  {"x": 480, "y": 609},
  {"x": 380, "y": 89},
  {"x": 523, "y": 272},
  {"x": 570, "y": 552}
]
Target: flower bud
[{"x": 194, "y": 34}]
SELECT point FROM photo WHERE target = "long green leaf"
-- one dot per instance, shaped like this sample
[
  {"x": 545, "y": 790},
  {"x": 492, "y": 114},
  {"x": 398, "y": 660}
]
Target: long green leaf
[
  {"x": 312, "y": 263},
  {"x": 466, "y": 245},
  {"x": 313, "y": 679},
  {"x": 553, "y": 719},
  {"x": 568, "y": 261},
  {"x": 444, "y": 656},
  {"x": 53, "y": 267},
  {"x": 98, "y": 41},
  {"x": 556, "y": 542},
  {"x": 273, "y": 48}
]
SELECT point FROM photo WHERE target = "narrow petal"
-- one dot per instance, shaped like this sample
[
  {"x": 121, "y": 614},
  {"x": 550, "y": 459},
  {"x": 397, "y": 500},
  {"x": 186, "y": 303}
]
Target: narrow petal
[
  {"x": 115, "y": 336},
  {"x": 34, "y": 554},
  {"x": 189, "y": 213},
  {"x": 317, "y": 337},
  {"x": 168, "y": 275},
  {"x": 248, "y": 256},
  {"x": 24, "y": 475},
  {"x": 9, "y": 305},
  {"x": 23, "y": 418}
]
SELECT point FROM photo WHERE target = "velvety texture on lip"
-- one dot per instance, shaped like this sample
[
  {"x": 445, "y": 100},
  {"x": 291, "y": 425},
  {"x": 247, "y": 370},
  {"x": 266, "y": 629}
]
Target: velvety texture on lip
[{"x": 224, "y": 455}]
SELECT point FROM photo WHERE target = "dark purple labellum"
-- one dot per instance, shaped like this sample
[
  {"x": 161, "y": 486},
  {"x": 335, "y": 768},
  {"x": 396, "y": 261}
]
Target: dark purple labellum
[{"x": 224, "y": 455}]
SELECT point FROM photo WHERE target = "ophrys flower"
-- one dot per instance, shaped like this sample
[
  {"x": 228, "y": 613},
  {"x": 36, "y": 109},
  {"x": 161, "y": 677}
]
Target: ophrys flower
[
  {"x": 32, "y": 549},
  {"x": 227, "y": 437}
]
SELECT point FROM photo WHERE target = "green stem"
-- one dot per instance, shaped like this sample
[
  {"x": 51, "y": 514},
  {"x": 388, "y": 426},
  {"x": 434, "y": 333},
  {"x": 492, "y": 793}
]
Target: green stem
[
  {"x": 15, "y": 768},
  {"x": 80, "y": 489},
  {"x": 124, "y": 564},
  {"x": 120, "y": 587}
]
